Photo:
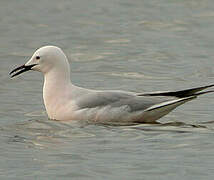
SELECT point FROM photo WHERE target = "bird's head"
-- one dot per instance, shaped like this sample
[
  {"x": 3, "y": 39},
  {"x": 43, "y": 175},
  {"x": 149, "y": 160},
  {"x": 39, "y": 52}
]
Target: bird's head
[{"x": 44, "y": 60}]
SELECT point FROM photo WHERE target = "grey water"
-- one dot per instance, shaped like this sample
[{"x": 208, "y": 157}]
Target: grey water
[{"x": 134, "y": 45}]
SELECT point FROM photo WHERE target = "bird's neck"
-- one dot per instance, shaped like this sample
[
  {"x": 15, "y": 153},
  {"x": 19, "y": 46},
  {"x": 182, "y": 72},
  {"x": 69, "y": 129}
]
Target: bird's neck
[
  {"x": 56, "y": 78},
  {"x": 56, "y": 89}
]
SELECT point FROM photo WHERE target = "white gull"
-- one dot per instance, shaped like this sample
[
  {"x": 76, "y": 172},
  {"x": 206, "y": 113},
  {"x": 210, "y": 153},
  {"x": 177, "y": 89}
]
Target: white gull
[{"x": 65, "y": 101}]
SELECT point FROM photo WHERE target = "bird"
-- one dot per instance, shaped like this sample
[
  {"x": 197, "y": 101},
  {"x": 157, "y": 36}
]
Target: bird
[{"x": 65, "y": 101}]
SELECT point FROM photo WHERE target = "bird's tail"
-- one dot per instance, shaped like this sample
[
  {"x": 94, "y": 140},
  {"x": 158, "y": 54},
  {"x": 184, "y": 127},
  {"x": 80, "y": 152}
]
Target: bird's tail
[{"x": 157, "y": 111}]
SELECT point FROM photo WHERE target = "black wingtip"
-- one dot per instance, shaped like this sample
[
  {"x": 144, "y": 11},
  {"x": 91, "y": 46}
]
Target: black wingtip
[{"x": 182, "y": 93}]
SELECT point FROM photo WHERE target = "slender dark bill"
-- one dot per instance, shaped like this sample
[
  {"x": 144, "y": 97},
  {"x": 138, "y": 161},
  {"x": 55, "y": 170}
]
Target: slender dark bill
[{"x": 22, "y": 68}]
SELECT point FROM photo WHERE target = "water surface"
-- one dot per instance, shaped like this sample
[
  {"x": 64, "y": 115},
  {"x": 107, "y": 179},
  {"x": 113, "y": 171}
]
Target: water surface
[{"x": 117, "y": 44}]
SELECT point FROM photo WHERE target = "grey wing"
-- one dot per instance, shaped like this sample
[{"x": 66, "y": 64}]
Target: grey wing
[
  {"x": 135, "y": 102},
  {"x": 119, "y": 99},
  {"x": 115, "y": 106}
]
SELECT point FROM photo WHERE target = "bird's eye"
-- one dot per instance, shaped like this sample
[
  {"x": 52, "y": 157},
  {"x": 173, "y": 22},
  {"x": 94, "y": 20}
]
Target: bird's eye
[{"x": 37, "y": 57}]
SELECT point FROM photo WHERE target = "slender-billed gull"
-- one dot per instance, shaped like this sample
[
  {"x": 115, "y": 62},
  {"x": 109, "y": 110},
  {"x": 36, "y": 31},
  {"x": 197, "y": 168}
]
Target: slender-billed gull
[{"x": 65, "y": 101}]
